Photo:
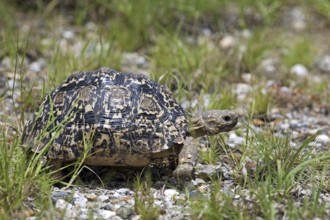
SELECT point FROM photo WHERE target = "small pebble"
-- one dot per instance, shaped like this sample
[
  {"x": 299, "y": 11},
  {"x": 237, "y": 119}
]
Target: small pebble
[
  {"x": 299, "y": 70},
  {"x": 116, "y": 217},
  {"x": 37, "y": 65},
  {"x": 269, "y": 66},
  {"x": 134, "y": 60},
  {"x": 62, "y": 204},
  {"x": 68, "y": 34},
  {"x": 125, "y": 191},
  {"x": 236, "y": 140},
  {"x": 106, "y": 214},
  {"x": 125, "y": 212},
  {"x": 242, "y": 90},
  {"x": 297, "y": 19},
  {"x": 246, "y": 77},
  {"x": 107, "y": 207},
  {"x": 80, "y": 201},
  {"x": 323, "y": 139},
  {"x": 198, "y": 181},
  {"x": 170, "y": 193},
  {"x": 196, "y": 194},
  {"x": 137, "y": 217},
  {"x": 70, "y": 211},
  {"x": 227, "y": 42},
  {"x": 207, "y": 172},
  {"x": 103, "y": 198},
  {"x": 91, "y": 196},
  {"x": 323, "y": 64},
  {"x": 59, "y": 194}
]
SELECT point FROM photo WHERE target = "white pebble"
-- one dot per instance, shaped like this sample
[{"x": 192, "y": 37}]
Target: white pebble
[
  {"x": 299, "y": 70},
  {"x": 81, "y": 202},
  {"x": 103, "y": 198},
  {"x": 324, "y": 64},
  {"x": 67, "y": 34},
  {"x": 242, "y": 90},
  {"x": 233, "y": 138},
  {"x": 61, "y": 204},
  {"x": 285, "y": 126},
  {"x": 323, "y": 139},
  {"x": 227, "y": 42},
  {"x": 246, "y": 77},
  {"x": 6, "y": 63},
  {"x": 137, "y": 217},
  {"x": 298, "y": 19},
  {"x": 106, "y": 214},
  {"x": 70, "y": 211},
  {"x": 170, "y": 193},
  {"x": 125, "y": 191}
]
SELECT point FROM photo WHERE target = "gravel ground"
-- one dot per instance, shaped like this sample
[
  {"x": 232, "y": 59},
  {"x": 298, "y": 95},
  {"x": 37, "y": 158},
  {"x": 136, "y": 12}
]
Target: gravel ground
[{"x": 115, "y": 202}]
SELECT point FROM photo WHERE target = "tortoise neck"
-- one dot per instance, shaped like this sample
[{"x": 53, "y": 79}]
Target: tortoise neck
[{"x": 197, "y": 127}]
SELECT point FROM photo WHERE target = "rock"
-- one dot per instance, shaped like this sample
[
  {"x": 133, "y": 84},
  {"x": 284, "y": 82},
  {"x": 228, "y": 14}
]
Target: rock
[
  {"x": 60, "y": 194},
  {"x": 6, "y": 63},
  {"x": 227, "y": 42},
  {"x": 68, "y": 34},
  {"x": 198, "y": 182},
  {"x": 246, "y": 77},
  {"x": 62, "y": 204},
  {"x": 116, "y": 218},
  {"x": 125, "y": 191},
  {"x": 323, "y": 139},
  {"x": 69, "y": 209},
  {"x": 91, "y": 196},
  {"x": 125, "y": 212},
  {"x": 107, "y": 207},
  {"x": 91, "y": 26},
  {"x": 323, "y": 64},
  {"x": 159, "y": 184},
  {"x": 137, "y": 217},
  {"x": 296, "y": 18},
  {"x": 242, "y": 90},
  {"x": 37, "y": 65},
  {"x": 299, "y": 70},
  {"x": 196, "y": 195},
  {"x": 103, "y": 198},
  {"x": 106, "y": 214},
  {"x": 269, "y": 66},
  {"x": 236, "y": 140},
  {"x": 170, "y": 193},
  {"x": 246, "y": 33},
  {"x": 79, "y": 200},
  {"x": 83, "y": 217},
  {"x": 207, "y": 172},
  {"x": 134, "y": 60}
]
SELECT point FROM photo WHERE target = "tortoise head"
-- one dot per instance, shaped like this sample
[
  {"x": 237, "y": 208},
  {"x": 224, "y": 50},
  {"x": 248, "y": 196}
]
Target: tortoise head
[{"x": 212, "y": 122}]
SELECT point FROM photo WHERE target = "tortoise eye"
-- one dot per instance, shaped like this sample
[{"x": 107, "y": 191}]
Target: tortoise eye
[{"x": 226, "y": 118}]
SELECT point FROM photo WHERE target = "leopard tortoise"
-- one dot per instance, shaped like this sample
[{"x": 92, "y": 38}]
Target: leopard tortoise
[{"x": 130, "y": 121}]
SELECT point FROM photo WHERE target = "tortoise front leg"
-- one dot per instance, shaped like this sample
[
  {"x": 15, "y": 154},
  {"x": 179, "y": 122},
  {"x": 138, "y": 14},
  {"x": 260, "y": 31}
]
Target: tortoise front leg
[{"x": 187, "y": 160}]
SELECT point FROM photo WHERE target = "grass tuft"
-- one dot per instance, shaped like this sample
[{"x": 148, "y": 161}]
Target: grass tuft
[{"x": 143, "y": 197}]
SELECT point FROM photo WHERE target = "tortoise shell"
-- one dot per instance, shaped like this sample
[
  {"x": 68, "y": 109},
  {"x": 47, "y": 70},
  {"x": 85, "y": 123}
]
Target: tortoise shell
[{"x": 127, "y": 119}]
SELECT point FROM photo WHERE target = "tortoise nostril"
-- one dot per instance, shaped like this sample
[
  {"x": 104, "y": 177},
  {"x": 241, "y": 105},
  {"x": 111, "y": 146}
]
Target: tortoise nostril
[{"x": 226, "y": 118}]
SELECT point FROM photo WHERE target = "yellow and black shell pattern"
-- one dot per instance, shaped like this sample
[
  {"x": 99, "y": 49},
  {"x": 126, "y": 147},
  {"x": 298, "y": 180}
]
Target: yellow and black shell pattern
[{"x": 124, "y": 118}]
